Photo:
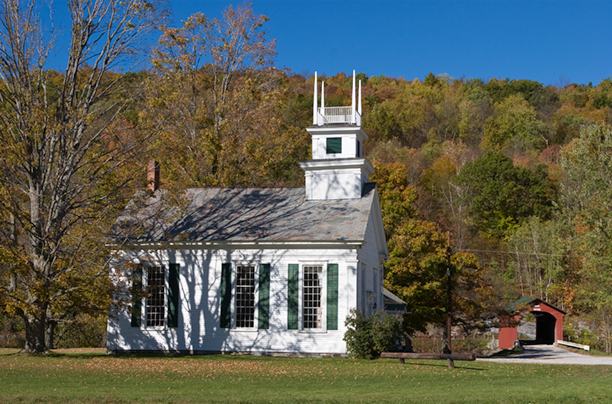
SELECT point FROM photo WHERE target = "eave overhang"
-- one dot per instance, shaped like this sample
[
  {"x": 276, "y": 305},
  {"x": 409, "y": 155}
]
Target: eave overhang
[
  {"x": 338, "y": 129},
  {"x": 241, "y": 244},
  {"x": 336, "y": 164}
]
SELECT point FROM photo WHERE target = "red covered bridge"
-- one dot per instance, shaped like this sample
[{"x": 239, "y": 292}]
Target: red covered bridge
[{"x": 549, "y": 323}]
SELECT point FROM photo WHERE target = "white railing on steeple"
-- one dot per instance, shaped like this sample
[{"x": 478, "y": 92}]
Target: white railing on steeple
[
  {"x": 337, "y": 115},
  {"x": 342, "y": 115}
]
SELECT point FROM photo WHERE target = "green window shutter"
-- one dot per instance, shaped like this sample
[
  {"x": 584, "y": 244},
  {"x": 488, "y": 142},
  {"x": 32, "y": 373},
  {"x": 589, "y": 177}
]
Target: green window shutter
[
  {"x": 332, "y": 296},
  {"x": 173, "y": 295},
  {"x": 226, "y": 296},
  {"x": 293, "y": 286},
  {"x": 334, "y": 145},
  {"x": 264, "y": 297},
  {"x": 136, "y": 296}
]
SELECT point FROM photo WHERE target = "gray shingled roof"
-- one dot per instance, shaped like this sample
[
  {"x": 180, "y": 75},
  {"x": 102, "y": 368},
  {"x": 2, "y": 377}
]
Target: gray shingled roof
[{"x": 248, "y": 214}]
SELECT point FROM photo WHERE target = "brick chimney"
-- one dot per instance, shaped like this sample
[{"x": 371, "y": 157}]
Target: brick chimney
[{"x": 153, "y": 175}]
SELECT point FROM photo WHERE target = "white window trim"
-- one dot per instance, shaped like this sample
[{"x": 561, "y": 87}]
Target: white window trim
[
  {"x": 233, "y": 304},
  {"x": 145, "y": 285},
  {"x": 323, "y": 329}
]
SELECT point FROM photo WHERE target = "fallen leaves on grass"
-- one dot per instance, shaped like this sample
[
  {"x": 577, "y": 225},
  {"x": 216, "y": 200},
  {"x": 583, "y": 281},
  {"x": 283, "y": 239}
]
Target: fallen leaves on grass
[{"x": 160, "y": 367}]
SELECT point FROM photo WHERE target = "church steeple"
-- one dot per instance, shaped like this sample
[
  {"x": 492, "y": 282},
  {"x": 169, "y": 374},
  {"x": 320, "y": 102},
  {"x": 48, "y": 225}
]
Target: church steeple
[
  {"x": 344, "y": 115},
  {"x": 337, "y": 169}
]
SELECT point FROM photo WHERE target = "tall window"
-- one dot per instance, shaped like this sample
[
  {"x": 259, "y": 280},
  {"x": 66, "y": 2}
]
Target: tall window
[
  {"x": 155, "y": 302},
  {"x": 245, "y": 296},
  {"x": 247, "y": 304},
  {"x": 161, "y": 301},
  {"x": 312, "y": 296}
]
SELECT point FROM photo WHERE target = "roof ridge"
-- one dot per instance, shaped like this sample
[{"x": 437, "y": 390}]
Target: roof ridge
[{"x": 249, "y": 187}]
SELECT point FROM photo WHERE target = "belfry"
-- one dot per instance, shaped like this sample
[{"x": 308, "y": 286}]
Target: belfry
[{"x": 337, "y": 169}]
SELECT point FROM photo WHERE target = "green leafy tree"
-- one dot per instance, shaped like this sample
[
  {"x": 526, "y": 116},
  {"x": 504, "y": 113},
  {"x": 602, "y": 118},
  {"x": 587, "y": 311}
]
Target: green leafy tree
[
  {"x": 588, "y": 202},
  {"x": 499, "y": 90},
  {"x": 499, "y": 195},
  {"x": 538, "y": 264},
  {"x": 447, "y": 113},
  {"x": 474, "y": 108},
  {"x": 567, "y": 122},
  {"x": 368, "y": 336},
  {"x": 382, "y": 122},
  {"x": 516, "y": 126}
]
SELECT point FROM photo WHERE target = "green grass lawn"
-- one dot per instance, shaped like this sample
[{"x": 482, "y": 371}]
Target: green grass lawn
[{"x": 95, "y": 377}]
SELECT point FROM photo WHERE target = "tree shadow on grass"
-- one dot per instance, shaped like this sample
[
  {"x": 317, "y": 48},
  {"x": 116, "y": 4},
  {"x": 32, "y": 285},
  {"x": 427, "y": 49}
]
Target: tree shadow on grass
[{"x": 9, "y": 351}]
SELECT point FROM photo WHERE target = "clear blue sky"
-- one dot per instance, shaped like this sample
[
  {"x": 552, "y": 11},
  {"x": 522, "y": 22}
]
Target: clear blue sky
[{"x": 554, "y": 42}]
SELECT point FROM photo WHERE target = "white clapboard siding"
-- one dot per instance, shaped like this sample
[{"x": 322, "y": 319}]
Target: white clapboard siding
[{"x": 200, "y": 281}]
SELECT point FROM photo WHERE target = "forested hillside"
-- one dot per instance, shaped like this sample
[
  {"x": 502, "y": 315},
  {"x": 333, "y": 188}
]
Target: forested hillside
[{"x": 517, "y": 174}]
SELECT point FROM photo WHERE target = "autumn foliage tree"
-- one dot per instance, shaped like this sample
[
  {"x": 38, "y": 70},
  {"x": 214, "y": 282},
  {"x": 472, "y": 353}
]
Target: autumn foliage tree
[
  {"x": 418, "y": 259},
  {"x": 64, "y": 158},
  {"x": 220, "y": 101},
  {"x": 396, "y": 195}
]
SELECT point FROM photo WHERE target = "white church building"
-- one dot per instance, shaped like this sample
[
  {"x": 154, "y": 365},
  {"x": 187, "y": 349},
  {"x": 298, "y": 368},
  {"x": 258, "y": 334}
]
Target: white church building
[{"x": 259, "y": 270}]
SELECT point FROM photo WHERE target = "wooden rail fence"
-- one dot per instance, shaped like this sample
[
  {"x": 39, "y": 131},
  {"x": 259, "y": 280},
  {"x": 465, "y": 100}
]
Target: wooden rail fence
[{"x": 401, "y": 356}]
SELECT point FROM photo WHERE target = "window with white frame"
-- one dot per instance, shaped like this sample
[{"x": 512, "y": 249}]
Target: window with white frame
[
  {"x": 155, "y": 302},
  {"x": 155, "y": 296},
  {"x": 312, "y": 296},
  {"x": 245, "y": 296}
]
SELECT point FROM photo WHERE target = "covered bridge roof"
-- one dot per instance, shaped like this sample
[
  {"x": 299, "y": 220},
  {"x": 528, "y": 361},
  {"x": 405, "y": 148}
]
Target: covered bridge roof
[{"x": 527, "y": 302}]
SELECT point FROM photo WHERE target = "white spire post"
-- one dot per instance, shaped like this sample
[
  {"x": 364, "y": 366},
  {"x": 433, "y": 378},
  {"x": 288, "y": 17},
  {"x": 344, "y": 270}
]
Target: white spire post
[
  {"x": 353, "y": 120},
  {"x": 359, "y": 104},
  {"x": 323, "y": 100},
  {"x": 314, "y": 104}
]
